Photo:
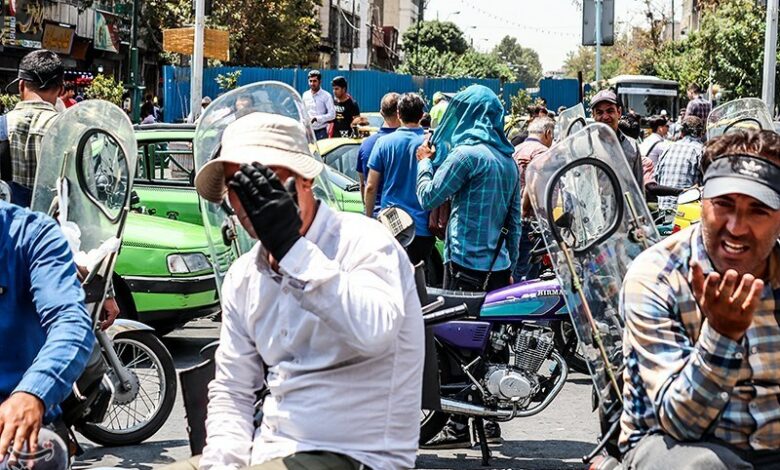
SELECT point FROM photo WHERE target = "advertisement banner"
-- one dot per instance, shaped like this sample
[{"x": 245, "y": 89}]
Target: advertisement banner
[
  {"x": 58, "y": 37},
  {"x": 107, "y": 32},
  {"x": 22, "y": 23}
]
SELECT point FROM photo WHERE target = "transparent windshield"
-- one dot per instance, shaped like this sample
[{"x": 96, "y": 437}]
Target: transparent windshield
[
  {"x": 595, "y": 222},
  {"x": 570, "y": 121},
  {"x": 223, "y": 229},
  {"x": 742, "y": 114}
]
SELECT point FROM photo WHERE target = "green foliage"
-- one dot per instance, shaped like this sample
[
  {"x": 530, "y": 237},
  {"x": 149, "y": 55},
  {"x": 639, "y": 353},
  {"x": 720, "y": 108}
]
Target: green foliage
[
  {"x": 429, "y": 62},
  {"x": 520, "y": 103},
  {"x": 228, "y": 81},
  {"x": 7, "y": 102},
  {"x": 444, "y": 37},
  {"x": 276, "y": 33},
  {"x": 523, "y": 62},
  {"x": 105, "y": 88}
]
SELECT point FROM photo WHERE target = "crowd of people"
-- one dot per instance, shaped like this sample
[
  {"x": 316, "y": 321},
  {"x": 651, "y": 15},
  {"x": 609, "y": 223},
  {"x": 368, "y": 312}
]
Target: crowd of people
[{"x": 325, "y": 312}]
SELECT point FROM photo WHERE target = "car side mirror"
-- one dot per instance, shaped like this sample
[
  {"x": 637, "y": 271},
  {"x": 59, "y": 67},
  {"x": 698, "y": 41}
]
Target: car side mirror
[{"x": 134, "y": 199}]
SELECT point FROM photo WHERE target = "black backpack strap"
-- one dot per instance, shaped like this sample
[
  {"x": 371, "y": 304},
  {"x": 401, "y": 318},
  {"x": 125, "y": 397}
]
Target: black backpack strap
[{"x": 503, "y": 234}]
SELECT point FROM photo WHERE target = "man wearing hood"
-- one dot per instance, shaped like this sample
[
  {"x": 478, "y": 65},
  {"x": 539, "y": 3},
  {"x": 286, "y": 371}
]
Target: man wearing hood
[{"x": 470, "y": 163}]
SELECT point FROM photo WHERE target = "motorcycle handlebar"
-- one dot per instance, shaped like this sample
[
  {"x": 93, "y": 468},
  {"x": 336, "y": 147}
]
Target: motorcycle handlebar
[{"x": 448, "y": 314}]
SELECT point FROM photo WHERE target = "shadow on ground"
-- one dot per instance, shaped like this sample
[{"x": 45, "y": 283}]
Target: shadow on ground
[
  {"x": 142, "y": 457},
  {"x": 549, "y": 454}
]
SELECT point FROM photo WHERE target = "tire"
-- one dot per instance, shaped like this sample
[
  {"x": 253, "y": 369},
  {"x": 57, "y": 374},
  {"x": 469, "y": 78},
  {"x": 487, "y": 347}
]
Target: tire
[
  {"x": 107, "y": 435},
  {"x": 564, "y": 335},
  {"x": 431, "y": 422}
]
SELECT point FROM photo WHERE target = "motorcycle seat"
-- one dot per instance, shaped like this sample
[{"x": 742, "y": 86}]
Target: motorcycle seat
[{"x": 452, "y": 298}]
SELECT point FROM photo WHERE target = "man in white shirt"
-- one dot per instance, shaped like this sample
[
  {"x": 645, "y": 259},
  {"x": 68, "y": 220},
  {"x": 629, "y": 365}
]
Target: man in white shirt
[
  {"x": 325, "y": 307},
  {"x": 319, "y": 104},
  {"x": 655, "y": 144}
]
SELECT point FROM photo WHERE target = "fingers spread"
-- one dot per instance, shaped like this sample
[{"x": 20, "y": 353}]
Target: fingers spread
[
  {"x": 696, "y": 279},
  {"x": 727, "y": 285},
  {"x": 269, "y": 175},
  {"x": 753, "y": 299},
  {"x": 711, "y": 284}
]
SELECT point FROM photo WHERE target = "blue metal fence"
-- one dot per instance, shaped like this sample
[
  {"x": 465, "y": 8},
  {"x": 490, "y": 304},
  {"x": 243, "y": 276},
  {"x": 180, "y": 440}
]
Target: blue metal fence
[{"x": 366, "y": 86}]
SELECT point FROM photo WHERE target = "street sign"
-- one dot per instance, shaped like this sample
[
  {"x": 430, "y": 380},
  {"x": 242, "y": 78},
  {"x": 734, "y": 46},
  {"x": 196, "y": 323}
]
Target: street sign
[
  {"x": 216, "y": 44},
  {"x": 589, "y": 23}
]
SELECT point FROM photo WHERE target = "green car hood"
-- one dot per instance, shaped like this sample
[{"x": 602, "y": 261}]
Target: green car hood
[{"x": 159, "y": 232}]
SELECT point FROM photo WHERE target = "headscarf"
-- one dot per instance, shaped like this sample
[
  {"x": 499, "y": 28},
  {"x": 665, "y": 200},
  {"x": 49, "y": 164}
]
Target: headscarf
[{"x": 474, "y": 116}]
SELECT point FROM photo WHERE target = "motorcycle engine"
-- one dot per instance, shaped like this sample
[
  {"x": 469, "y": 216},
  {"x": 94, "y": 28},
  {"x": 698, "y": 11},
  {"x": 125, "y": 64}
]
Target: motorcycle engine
[{"x": 518, "y": 380}]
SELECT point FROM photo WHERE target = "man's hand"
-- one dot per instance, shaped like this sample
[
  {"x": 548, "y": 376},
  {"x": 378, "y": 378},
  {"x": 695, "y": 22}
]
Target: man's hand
[
  {"x": 269, "y": 206},
  {"x": 728, "y": 306},
  {"x": 21, "y": 417},
  {"x": 110, "y": 312},
  {"x": 425, "y": 151}
]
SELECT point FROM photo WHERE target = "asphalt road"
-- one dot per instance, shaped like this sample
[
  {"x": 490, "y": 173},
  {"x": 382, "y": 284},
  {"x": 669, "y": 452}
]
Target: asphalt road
[{"x": 555, "y": 439}]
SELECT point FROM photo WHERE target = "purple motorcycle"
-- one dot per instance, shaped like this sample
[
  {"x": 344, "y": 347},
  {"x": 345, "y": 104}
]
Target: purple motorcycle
[{"x": 507, "y": 359}]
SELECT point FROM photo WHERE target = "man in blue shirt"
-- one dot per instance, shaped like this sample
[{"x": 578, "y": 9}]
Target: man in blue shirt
[
  {"x": 393, "y": 162},
  {"x": 389, "y": 111},
  {"x": 45, "y": 332}
]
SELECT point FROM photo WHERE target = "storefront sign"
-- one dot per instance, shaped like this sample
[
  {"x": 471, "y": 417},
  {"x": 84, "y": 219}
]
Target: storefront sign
[
  {"x": 58, "y": 37},
  {"x": 22, "y": 23},
  {"x": 107, "y": 32}
]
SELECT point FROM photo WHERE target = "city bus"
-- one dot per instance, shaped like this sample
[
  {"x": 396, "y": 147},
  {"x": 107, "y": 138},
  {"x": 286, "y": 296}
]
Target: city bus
[{"x": 647, "y": 95}]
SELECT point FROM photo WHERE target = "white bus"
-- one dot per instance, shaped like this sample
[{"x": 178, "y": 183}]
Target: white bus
[{"x": 647, "y": 95}]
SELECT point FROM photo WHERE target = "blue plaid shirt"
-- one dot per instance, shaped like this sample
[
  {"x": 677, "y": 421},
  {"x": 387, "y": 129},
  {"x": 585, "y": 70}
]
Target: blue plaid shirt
[
  {"x": 480, "y": 181},
  {"x": 679, "y": 167},
  {"x": 682, "y": 377}
]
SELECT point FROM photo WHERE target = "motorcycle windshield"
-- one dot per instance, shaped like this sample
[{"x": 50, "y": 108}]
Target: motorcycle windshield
[
  {"x": 85, "y": 176},
  {"x": 222, "y": 228},
  {"x": 741, "y": 114},
  {"x": 570, "y": 121},
  {"x": 594, "y": 221}
]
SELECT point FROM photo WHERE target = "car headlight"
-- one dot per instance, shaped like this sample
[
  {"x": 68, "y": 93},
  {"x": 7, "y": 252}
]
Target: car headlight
[{"x": 185, "y": 263}]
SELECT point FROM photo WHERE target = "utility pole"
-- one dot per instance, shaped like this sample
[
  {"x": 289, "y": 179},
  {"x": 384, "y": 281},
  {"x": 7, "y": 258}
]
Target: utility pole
[
  {"x": 599, "y": 5},
  {"x": 420, "y": 13},
  {"x": 352, "y": 38},
  {"x": 338, "y": 33},
  {"x": 196, "y": 66},
  {"x": 133, "y": 85},
  {"x": 672, "y": 20},
  {"x": 770, "y": 56}
]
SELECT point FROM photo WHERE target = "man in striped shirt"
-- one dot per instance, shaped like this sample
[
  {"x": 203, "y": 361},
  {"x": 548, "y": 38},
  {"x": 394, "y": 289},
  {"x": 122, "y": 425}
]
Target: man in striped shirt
[{"x": 702, "y": 313}]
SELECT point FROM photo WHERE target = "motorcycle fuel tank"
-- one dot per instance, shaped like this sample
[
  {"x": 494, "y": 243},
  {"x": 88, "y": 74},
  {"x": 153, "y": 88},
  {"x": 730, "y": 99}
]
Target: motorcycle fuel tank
[{"x": 537, "y": 299}]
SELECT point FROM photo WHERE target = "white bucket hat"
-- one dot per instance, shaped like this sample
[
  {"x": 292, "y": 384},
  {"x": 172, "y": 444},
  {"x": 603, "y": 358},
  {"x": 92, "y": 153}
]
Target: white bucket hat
[{"x": 269, "y": 139}]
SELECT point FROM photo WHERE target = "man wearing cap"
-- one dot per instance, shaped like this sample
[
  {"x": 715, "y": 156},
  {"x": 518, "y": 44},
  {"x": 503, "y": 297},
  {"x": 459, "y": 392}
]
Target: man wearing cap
[
  {"x": 40, "y": 81},
  {"x": 325, "y": 306},
  {"x": 702, "y": 313},
  {"x": 606, "y": 109},
  {"x": 319, "y": 105},
  {"x": 346, "y": 107}
]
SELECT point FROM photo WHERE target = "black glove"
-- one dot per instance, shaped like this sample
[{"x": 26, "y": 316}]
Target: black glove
[{"x": 269, "y": 206}]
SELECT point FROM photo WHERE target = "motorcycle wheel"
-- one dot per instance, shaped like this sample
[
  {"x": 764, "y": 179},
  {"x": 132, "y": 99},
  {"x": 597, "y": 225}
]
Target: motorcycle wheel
[
  {"x": 137, "y": 414},
  {"x": 431, "y": 422},
  {"x": 564, "y": 336}
]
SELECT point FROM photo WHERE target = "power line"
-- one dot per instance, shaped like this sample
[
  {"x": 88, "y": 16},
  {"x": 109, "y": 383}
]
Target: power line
[{"x": 517, "y": 25}]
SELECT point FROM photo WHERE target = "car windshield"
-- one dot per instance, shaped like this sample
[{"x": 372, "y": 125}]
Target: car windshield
[
  {"x": 168, "y": 161},
  {"x": 344, "y": 159}
]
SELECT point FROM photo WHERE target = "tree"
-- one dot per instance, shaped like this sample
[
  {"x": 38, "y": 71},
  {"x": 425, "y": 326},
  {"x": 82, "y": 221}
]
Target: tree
[
  {"x": 105, "y": 88},
  {"x": 442, "y": 36},
  {"x": 523, "y": 62},
  {"x": 429, "y": 62},
  {"x": 278, "y": 33}
]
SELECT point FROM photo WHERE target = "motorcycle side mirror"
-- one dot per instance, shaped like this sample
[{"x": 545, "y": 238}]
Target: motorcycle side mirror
[
  {"x": 103, "y": 173},
  {"x": 688, "y": 196}
]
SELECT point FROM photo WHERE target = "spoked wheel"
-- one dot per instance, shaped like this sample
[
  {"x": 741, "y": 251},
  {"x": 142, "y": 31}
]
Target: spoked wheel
[
  {"x": 140, "y": 409},
  {"x": 431, "y": 422}
]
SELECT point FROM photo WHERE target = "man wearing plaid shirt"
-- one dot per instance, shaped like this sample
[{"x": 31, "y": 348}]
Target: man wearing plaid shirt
[
  {"x": 697, "y": 106},
  {"x": 702, "y": 313},
  {"x": 40, "y": 82},
  {"x": 678, "y": 166}
]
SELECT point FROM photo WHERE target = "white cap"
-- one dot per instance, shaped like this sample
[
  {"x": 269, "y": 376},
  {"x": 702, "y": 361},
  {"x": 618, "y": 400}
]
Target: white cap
[{"x": 269, "y": 139}]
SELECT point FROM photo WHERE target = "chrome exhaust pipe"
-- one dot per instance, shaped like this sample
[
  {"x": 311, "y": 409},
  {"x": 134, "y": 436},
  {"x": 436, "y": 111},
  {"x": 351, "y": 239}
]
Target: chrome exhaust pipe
[{"x": 469, "y": 409}]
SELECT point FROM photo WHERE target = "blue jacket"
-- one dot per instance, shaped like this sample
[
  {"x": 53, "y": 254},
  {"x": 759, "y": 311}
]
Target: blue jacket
[{"x": 46, "y": 334}]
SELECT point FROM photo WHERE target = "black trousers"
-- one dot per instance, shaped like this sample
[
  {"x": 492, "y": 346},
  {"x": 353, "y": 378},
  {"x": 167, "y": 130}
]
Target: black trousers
[
  {"x": 420, "y": 249},
  {"x": 457, "y": 277}
]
